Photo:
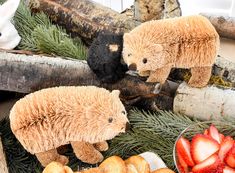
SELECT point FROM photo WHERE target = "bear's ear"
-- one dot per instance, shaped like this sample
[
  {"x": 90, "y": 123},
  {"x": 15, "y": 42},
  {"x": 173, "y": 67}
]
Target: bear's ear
[
  {"x": 115, "y": 93},
  {"x": 158, "y": 47}
]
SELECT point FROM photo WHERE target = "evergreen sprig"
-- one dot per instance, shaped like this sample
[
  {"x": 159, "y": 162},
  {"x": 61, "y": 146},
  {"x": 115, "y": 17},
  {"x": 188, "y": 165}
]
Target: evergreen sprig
[
  {"x": 20, "y": 161},
  {"x": 40, "y": 35},
  {"x": 158, "y": 132}
]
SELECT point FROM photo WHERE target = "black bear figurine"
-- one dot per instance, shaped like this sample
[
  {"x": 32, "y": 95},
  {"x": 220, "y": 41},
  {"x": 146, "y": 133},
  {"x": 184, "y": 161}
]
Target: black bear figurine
[{"x": 104, "y": 57}]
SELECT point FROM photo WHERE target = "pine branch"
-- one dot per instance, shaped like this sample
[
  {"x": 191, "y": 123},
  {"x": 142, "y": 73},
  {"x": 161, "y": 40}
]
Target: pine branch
[
  {"x": 40, "y": 35},
  {"x": 20, "y": 161},
  {"x": 158, "y": 132}
]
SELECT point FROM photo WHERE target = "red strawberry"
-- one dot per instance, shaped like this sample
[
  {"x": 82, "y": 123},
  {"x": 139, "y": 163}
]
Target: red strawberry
[
  {"x": 183, "y": 149},
  {"x": 221, "y": 136},
  {"x": 211, "y": 165},
  {"x": 228, "y": 170},
  {"x": 225, "y": 146},
  {"x": 182, "y": 166},
  {"x": 202, "y": 147},
  {"x": 213, "y": 132},
  {"x": 230, "y": 158},
  {"x": 206, "y": 132}
]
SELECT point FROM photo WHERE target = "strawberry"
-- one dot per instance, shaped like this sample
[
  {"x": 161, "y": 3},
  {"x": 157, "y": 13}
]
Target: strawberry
[
  {"x": 225, "y": 146},
  {"x": 213, "y": 132},
  {"x": 202, "y": 147},
  {"x": 230, "y": 158},
  {"x": 221, "y": 136},
  {"x": 211, "y": 165},
  {"x": 206, "y": 132},
  {"x": 228, "y": 170},
  {"x": 183, "y": 149},
  {"x": 182, "y": 166}
]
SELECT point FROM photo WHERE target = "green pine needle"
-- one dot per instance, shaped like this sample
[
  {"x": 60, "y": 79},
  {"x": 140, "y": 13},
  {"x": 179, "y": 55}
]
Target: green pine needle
[
  {"x": 157, "y": 132},
  {"x": 52, "y": 40},
  {"x": 40, "y": 35},
  {"x": 20, "y": 161}
]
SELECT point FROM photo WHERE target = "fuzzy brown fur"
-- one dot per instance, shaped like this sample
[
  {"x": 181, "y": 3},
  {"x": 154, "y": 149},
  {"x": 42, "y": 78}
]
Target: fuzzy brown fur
[
  {"x": 154, "y": 47},
  {"x": 83, "y": 116}
]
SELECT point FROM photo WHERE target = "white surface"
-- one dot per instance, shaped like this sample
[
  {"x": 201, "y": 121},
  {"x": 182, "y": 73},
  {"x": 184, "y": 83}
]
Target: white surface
[{"x": 154, "y": 161}]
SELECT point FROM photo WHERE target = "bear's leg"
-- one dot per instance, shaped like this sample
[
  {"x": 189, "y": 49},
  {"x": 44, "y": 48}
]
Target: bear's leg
[
  {"x": 160, "y": 75},
  {"x": 86, "y": 152},
  {"x": 200, "y": 76},
  {"x": 101, "y": 146},
  {"x": 52, "y": 155}
]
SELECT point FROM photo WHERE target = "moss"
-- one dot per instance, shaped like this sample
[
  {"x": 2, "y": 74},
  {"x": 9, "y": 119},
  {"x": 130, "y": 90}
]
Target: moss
[{"x": 216, "y": 80}]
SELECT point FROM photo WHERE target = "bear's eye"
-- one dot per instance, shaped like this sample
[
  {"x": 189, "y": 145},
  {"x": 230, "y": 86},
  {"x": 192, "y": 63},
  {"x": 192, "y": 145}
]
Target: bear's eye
[
  {"x": 123, "y": 112},
  {"x": 110, "y": 120},
  {"x": 0, "y": 34},
  {"x": 129, "y": 54},
  {"x": 145, "y": 60}
]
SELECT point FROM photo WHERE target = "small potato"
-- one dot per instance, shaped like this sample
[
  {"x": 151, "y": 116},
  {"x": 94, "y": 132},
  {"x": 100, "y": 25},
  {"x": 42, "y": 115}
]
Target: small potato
[
  {"x": 113, "y": 164},
  {"x": 140, "y": 164},
  {"x": 163, "y": 170},
  {"x": 56, "y": 167}
]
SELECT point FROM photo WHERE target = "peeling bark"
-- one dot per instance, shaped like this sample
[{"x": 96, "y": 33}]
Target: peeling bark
[
  {"x": 146, "y": 10},
  {"x": 172, "y": 9},
  {"x": 224, "y": 25}
]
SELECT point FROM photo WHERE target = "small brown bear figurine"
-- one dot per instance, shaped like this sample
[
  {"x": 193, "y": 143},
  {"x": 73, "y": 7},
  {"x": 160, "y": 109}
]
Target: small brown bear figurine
[
  {"x": 154, "y": 47},
  {"x": 85, "y": 117}
]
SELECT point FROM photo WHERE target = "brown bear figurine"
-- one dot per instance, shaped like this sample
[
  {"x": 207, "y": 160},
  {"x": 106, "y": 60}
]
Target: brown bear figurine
[
  {"x": 154, "y": 47},
  {"x": 84, "y": 117}
]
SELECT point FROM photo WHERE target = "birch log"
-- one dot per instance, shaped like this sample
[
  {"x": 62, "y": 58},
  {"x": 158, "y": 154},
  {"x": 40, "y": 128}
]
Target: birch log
[
  {"x": 224, "y": 25},
  {"x": 84, "y": 18},
  {"x": 146, "y": 10},
  {"x": 26, "y": 74},
  {"x": 3, "y": 163},
  {"x": 204, "y": 103},
  {"x": 225, "y": 68}
]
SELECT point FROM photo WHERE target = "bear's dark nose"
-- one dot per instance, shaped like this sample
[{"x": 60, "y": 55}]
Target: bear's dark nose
[
  {"x": 128, "y": 126},
  {"x": 132, "y": 67}
]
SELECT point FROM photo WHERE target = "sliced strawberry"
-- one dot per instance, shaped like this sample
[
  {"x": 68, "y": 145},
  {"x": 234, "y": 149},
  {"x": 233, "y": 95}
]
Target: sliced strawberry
[
  {"x": 225, "y": 146},
  {"x": 213, "y": 132},
  {"x": 211, "y": 165},
  {"x": 228, "y": 170},
  {"x": 221, "y": 136},
  {"x": 230, "y": 158},
  {"x": 182, "y": 166},
  {"x": 202, "y": 147},
  {"x": 183, "y": 148},
  {"x": 206, "y": 132}
]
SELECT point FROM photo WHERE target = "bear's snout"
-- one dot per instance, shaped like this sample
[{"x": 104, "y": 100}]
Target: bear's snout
[
  {"x": 128, "y": 126},
  {"x": 132, "y": 67}
]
